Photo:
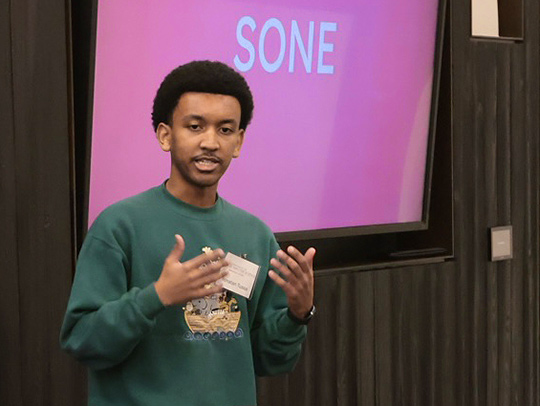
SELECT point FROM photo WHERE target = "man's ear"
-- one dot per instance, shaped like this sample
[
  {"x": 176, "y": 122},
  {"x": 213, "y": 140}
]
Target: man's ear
[
  {"x": 240, "y": 141},
  {"x": 164, "y": 134}
]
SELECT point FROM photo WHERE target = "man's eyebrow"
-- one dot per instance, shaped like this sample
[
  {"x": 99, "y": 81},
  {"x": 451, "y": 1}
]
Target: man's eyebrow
[
  {"x": 228, "y": 121},
  {"x": 201, "y": 118},
  {"x": 193, "y": 117}
]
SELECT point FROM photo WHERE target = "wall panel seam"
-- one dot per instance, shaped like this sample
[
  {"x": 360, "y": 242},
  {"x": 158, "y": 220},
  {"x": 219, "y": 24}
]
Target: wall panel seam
[{"x": 17, "y": 214}]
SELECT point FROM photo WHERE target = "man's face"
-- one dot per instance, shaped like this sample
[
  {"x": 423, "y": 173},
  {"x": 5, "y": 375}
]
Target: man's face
[{"x": 203, "y": 138}]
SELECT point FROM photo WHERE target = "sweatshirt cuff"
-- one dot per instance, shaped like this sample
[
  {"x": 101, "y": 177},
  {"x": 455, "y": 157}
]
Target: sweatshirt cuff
[
  {"x": 149, "y": 302},
  {"x": 288, "y": 327}
]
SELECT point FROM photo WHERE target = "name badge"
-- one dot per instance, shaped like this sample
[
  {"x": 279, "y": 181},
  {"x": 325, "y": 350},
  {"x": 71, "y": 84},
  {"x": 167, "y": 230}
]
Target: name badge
[{"x": 242, "y": 275}]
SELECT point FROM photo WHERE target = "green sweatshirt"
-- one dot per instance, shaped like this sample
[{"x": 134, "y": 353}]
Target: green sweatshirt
[{"x": 205, "y": 352}]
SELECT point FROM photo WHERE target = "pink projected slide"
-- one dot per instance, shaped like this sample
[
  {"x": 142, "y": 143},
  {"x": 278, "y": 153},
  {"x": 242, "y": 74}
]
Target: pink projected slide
[{"x": 342, "y": 101}]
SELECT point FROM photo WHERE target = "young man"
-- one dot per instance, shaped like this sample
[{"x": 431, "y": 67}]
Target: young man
[{"x": 154, "y": 326}]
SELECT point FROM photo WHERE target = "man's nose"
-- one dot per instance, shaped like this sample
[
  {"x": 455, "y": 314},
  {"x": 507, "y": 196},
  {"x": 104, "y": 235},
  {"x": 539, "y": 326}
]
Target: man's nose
[{"x": 210, "y": 139}]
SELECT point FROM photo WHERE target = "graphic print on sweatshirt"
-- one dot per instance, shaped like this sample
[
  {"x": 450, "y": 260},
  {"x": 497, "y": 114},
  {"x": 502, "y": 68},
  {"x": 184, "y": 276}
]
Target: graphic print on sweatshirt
[{"x": 213, "y": 317}]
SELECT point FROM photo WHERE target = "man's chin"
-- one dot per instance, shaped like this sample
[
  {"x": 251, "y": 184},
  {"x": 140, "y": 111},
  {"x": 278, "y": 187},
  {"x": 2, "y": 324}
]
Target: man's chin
[
  {"x": 206, "y": 181},
  {"x": 200, "y": 179}
]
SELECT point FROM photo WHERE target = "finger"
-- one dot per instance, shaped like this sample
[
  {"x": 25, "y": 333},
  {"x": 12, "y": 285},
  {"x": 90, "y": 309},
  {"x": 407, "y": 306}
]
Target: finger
[
  {"x": 202, "y": 292},
  {"x": 216, "y": 277},
  {"x": 287, "y": 288},
  {"x": 214, "y": 268},
  {"x": 305, "y": 261},
  {"x": 204, "y": 258},
  {"x": 310, "y": 255},
  {"x": 291, "y": 264},
  {"x": 178, "y": 250},
  {"x": 283, "y": 270}
]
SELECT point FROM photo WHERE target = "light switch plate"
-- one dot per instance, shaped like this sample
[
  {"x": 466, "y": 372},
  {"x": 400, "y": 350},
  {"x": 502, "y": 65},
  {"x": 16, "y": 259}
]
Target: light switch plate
[{"x": 501, "y": 243}]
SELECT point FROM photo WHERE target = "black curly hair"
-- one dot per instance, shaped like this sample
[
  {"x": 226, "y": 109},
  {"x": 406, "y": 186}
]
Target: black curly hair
[{"x": 203, "y": 77}]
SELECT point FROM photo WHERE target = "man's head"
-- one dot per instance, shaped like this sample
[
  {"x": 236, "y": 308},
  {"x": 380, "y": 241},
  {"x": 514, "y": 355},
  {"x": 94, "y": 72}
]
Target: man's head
[
  {"x": 201, "y": 77},
  {"x": 200, "y": 114}
]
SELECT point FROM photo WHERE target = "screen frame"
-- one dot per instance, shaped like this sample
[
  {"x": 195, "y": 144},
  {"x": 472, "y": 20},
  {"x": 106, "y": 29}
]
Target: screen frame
[{"x": 376, "y": 245}]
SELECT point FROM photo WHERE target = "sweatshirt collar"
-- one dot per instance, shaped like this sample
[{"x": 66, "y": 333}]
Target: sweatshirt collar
[{"x": 190, "y": 210}]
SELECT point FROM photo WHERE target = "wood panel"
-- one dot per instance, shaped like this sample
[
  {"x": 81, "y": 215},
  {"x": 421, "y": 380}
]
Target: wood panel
[
  {"x": 10, "y": 349},
  {"x": 38, "y": 205}
]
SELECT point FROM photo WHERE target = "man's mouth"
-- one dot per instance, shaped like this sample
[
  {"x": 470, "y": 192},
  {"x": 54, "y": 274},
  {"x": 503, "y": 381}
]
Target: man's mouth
[{"x": 206, "y": 164}]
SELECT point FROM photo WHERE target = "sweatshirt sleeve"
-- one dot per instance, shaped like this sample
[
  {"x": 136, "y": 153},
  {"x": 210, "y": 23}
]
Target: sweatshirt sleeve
[
  {"x": 104, "y": 320},
  {"x": 276, "y": 339}
]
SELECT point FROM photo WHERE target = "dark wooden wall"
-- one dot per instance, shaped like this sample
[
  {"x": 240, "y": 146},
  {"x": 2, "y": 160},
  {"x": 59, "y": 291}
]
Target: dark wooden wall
[
  {"x": 36, "y": 208},
  {"x": 465, "y": 332}
]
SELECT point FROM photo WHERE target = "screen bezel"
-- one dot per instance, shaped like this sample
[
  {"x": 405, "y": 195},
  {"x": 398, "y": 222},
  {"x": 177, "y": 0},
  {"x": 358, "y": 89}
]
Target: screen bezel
[{"x": 84, "y": 29}]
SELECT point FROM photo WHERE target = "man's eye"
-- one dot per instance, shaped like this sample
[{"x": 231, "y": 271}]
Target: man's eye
[
  {"x": 226, "y": 130},
  {"x": 194, "y": 127}
]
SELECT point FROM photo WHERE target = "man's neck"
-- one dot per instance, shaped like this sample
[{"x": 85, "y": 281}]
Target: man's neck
[{"x": 201, "y": 197}]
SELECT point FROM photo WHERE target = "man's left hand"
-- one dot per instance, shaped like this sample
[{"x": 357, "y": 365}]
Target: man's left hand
[{"x": 296, "y": 278}]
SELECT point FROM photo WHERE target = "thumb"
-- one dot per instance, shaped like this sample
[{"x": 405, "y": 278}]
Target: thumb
[{"x": 178, "y": 249}]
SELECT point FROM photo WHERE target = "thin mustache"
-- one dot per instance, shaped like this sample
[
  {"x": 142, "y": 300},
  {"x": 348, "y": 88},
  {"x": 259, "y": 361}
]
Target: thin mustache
[{"x": 207, "y": 156}]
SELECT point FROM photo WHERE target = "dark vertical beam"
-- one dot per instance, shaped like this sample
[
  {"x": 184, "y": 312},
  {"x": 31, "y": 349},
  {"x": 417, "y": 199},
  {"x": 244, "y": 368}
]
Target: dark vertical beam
[
  {"x": 83, "y": 31},
  {"x": 325, "y": 346},
  {"x": 448, "y": 362},
  {"x": 346, "y": 341},
  {"x": 364, "y": 334},
  {"x": 503, "y": 271},
  {"x": 518, "y": 169},
  {"x": 385, "y": 388},
  {"x": 488, "y": 132},
  {"x": 10, "y": 348},
  {"x": 531, "y": 277},
  {"x": 464, "y": 187},
  {"x": 43, "y": 192}
]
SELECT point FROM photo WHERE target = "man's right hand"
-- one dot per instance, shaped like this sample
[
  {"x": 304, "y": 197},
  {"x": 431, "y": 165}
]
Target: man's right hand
[{"x": 180, "y": 282}]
